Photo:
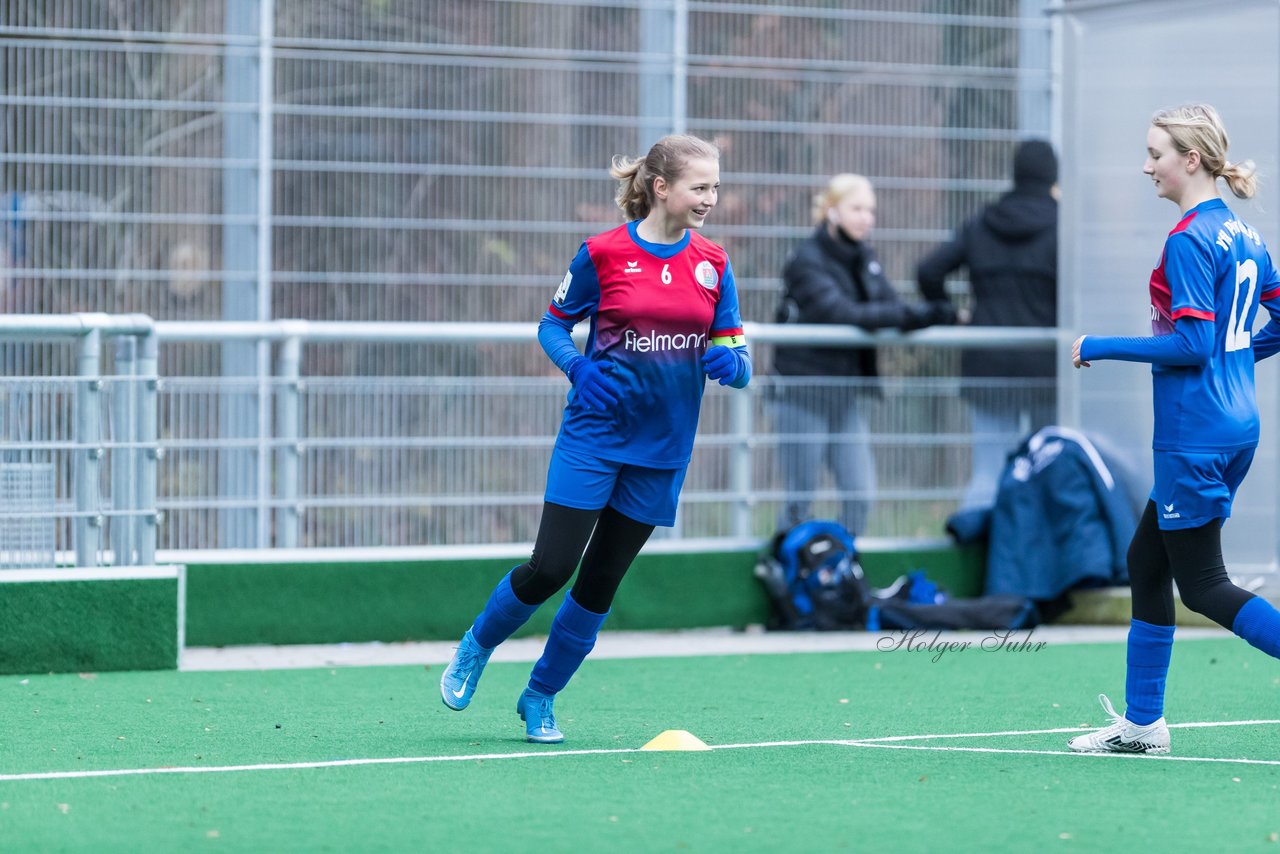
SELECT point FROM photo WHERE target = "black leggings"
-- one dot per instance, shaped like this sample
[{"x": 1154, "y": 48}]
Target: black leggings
[
  {"x": 1192, "y": 558},
  {"x": 563, "y": 534}
]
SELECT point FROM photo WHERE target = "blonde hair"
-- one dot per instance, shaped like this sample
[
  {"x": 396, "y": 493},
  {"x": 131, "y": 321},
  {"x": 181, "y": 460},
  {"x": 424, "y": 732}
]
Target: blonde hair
[
  {"x": 666, "y": 160},
  {"x": 1197, "y": 127},
  {"x": 837, "y": 188}
]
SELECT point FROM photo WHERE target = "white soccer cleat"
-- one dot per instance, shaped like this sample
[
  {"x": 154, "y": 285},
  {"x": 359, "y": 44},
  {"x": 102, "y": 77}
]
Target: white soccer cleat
[{"x": 1123, "y": 736}]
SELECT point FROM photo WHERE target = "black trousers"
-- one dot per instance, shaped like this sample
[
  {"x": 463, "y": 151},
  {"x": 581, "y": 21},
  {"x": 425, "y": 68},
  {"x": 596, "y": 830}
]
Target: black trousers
[
  {"x": 1193, "y": 559},
  {"x": 610, "y": 541}
]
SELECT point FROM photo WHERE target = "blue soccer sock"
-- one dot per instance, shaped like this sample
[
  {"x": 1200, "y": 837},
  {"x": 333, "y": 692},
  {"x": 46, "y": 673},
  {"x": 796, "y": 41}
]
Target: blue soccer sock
[
  {"x": 502, "y": 615},
  {"x": 573, "y": 635},
  {"x": 1150, "y": 648},
  {"x": 1258, "y": 622}
]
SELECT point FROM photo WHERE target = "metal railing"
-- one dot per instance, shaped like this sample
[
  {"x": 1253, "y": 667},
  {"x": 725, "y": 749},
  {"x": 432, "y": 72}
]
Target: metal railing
[
  {"x": 79, "y": 454},
  {"x": 440, "y": 457}
]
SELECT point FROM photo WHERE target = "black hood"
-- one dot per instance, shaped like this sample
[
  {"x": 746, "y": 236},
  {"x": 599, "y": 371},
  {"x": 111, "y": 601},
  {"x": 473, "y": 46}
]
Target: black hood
[{"x": 1018, "y": 216}]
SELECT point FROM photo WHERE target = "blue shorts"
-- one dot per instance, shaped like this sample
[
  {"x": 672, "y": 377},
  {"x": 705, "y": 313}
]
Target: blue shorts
[
  {"x": 1192, "y": 489},
  {"x": 580, "y": 480}
]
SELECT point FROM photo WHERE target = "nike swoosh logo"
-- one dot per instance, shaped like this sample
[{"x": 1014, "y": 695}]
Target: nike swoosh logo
[{"x": 463, "y": 689}]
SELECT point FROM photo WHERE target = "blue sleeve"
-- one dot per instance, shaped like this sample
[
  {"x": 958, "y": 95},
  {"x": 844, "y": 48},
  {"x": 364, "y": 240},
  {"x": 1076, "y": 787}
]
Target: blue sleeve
[
  {"x": 577, "y": 297},
  {"x": 726, "y": 326},
  {"x": 556, "y": 337},
  {"x": 579, "y": 293},
  {"x": 1266, "y": 342},
  {"x": 727, "y": 320},
  {"x": 1190, "y": 344},
  {"x": 1188, "y": 267}
]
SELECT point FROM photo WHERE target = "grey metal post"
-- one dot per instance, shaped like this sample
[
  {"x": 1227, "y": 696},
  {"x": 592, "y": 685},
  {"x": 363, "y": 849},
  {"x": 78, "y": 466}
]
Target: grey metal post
[
  {"x": 88, "y": 524},
  {"x": 657, "y": 78},
  {"x": 266, "y": 144},
  {"x": 244, "y": 190},
  {"x": 288, "y": 399},
  {"x": 740, "y": 459},
  {"x": 680, "y": 68},
  {"x": 1035, "y": 46},
  {"x": 147, "y": 385},
  {"x": 123, "y": 410}
]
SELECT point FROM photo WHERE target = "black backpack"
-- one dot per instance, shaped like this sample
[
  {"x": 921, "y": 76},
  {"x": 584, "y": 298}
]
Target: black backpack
[
  {"x": 992, "y": 613},
  {"x": 814, "y": 580}
]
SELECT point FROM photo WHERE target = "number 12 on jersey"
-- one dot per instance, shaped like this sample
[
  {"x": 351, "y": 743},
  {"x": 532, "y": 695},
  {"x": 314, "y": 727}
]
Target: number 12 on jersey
[{"x": 1238, "y": 337}]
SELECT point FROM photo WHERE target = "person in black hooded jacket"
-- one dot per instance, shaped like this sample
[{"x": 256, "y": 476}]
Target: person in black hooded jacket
[
  {"x": 834, "y": 277},
  {"x": 1011, "y": 251}
]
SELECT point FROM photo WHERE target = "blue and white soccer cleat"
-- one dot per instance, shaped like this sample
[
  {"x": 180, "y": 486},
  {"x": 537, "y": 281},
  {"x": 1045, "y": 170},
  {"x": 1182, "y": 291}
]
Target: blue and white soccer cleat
[
  {"x": 458, "y": 683},
  {"x": 1123, "y": 736},
  {"x": 539, "y": 718}
]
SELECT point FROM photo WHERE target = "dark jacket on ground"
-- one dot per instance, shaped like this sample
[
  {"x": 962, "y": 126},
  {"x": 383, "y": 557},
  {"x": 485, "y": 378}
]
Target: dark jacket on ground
[
  {"x": 831, "y": 279},
  {"x": 1063, "y": 519},
  {"x": 1011, "y": 250}
]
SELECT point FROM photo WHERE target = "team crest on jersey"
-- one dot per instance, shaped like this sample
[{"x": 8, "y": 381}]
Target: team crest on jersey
[
  {"x": 563, "y": 290},
  {"x": 706, "y": 275}
]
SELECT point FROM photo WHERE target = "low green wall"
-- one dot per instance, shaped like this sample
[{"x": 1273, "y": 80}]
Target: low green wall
[
  {"x": 69, "y": 621},
  {"x": 296, "y": 603},
  {"x": 962, "y": 572}
]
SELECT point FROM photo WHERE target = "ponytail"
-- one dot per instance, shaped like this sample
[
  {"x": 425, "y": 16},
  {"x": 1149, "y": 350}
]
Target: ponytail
[
  {"x": 633, "y": 195},
  {"x": 1241, "y": 178}
]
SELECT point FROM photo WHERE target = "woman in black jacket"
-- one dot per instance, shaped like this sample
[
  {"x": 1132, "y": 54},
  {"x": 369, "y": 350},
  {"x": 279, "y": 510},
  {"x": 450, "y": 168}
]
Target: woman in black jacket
[{"x": 834, "y": 277}]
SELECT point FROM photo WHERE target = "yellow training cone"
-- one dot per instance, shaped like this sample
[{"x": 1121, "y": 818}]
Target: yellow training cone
[{"x": 676, "y": 739}]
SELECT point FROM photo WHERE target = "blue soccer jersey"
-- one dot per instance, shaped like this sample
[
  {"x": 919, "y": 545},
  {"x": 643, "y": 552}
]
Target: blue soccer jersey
[
  {"x": 1205, "y": 293},
  {"x": 654, "y": 309}
]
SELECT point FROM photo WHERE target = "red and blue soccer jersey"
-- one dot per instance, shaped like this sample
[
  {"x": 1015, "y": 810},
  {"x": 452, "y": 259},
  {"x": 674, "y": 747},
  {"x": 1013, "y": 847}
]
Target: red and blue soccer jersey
[
  {"x": 1214, "y": 269},
  {"x": 654, "y": 311}
]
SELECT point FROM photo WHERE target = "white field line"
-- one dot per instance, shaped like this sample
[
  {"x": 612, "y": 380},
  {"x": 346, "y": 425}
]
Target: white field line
[
  {"x": 855, "y": 742},
  {"x": 293, "y": 766},
  {"x": 1066, "y": 753},
  {"x": 1044, "y": 731},
  {"x": 882, "y": 742}
]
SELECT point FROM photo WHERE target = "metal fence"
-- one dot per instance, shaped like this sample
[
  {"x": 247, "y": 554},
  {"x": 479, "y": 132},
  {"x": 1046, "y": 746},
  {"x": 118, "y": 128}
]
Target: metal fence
[
  {"x": 115, "y": 462},
  {"x": 441, "y": 160}
]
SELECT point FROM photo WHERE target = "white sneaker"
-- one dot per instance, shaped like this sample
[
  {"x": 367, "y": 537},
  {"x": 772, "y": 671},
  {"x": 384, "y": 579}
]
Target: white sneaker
[{"x": 1123, "y": 736}]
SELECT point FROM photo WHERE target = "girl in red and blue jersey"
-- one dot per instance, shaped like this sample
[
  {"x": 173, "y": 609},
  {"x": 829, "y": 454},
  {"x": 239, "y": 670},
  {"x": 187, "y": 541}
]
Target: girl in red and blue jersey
[
  {"x": 663, "y": 309},
  {"x": 1214, "y": 273}
]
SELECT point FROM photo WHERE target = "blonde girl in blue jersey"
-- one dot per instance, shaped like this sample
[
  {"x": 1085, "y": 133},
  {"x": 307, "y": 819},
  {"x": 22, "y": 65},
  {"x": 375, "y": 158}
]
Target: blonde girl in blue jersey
[
  {"x": 1213, "y": 274},
  {"x": 663, "y": 311}
]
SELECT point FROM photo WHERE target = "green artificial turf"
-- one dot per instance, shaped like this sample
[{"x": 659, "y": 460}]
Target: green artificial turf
[{"x": 805, "y": 797}]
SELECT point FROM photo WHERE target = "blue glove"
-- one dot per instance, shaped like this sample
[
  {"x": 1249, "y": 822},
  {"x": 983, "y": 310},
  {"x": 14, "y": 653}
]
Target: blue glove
[
  {"x": 593, "y": 384},
  {"x": 722, "y": 364}
]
